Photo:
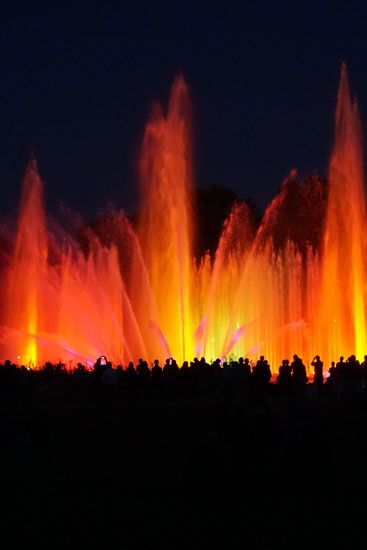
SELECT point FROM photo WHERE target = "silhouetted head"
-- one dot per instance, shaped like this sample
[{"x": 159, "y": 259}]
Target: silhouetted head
[{"x": 261, "y": 358}]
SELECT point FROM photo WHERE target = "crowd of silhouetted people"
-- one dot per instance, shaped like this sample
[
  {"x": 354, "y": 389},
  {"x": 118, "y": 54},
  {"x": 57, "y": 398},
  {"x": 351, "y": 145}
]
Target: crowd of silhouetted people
[{"x": 234, "y": 379}]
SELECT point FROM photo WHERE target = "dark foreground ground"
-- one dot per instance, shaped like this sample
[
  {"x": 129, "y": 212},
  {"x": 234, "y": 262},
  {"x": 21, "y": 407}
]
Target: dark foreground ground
[{"x": 242, "y": 472}]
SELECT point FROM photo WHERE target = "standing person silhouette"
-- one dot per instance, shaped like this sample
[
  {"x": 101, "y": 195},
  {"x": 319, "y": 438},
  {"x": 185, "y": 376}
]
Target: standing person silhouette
[
  {"x": 318, "y": 378},
  {"x": 299, "y": 377},
  {"x": 318, "y": 368}
]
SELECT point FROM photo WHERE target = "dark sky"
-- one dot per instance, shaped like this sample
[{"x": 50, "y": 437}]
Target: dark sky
[{"x": 78, "y": 79}]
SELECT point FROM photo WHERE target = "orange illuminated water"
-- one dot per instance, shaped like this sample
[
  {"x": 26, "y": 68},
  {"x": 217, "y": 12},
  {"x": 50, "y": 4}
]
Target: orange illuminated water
[
  {"x": 295, "y": 284},
  {"x": 343, "y": 285}
]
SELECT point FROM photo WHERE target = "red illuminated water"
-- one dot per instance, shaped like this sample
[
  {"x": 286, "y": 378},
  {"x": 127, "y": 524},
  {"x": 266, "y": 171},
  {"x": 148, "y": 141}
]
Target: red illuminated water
[{"x": 296, "y": 284}]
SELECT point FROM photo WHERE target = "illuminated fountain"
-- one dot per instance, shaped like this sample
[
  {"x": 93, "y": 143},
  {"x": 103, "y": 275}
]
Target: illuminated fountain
[
  {"x": 296, "y": 284},
  {"x": 343, "y": 288}
]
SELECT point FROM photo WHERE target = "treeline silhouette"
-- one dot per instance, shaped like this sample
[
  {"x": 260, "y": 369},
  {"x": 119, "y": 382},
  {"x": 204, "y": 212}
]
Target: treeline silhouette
[{"x": 229, "y": 380}]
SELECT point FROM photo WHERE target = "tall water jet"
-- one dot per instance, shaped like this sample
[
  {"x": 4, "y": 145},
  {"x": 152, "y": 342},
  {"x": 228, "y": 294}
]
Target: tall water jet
[
  {"x": 26, "y": 280},
  {"x": 342, "y": 328},
  {"x": 230, "y": 258},
  {"x": 165, "y": 224},
  {"x": 272, "y": 293}
]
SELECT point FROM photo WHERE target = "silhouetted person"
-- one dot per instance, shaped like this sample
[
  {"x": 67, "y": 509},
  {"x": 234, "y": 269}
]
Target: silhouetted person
[
  {"x": 79, "y": 377},
  {"x": 170, "y": 376},
  {"x": 184, "y": 376},
  {"x": 353, "y": 368},
  {"x": 226, "y": 380},
  {"x": 237, "y": 372},
  {"x": 299, "y": 376},
  {"x": 109, "y": 376},
  {"x": 142, "y": 370},
  {"x": 167, "y": 367},
  {"x": 340, "y": 367},
  {"x": 174, "y": 368},
  {"x": 120, "y": 382},
  {"x": 364, "y": 371},
  {"x": 284, "y": 378},
  {"x": 331, "y": 380},
  {"x": 245, "y": 368},
  {"x": 130, "y": 376},
  {"x": 156, "y": 371},
  {"x": 318, "y": 368},
  {"x": 184, "y": 368},
  {"x": 99, "y": 367},
  {"x": 261, "y": 374},
  {"x": 205, "y": 375},
  {"x": 80, "y": 368},
  {"x": 349, "y": 377},
  {"x": 216, "y": 371},
  {"x": 332, "y": 371}
]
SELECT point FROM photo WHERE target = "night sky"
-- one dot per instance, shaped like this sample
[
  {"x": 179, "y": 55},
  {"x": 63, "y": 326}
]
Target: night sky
[{"x": 78, "y": 79}]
